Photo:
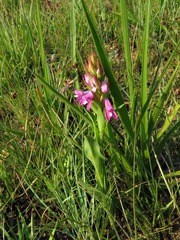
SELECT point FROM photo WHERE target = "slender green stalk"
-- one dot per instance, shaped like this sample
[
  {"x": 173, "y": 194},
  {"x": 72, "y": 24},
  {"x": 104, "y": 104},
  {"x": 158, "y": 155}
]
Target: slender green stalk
[
  {"x": 102, "y": 9},
  {"x": 73, "y": 32},
  {"x": 125, "y": 33},
  {"x": 144, "y": 79},
  {"x": 46, "y": 74},
  {"x": 144, "y": 90},
  {"x": 73, "y": 41},
  {"x": 134, "y": 192},
  {"x": 42, "y": 54}
]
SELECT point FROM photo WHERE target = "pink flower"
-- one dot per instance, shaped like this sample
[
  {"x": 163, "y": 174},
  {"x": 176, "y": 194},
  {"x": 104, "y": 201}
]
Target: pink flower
[
  {"x": 91, "y": 82},
  {"x": 110, "y": 112},
  {"x": 84, "y": 97},
  {"x": 78, "y": 94},
  {"x": 104, "y": 86}
]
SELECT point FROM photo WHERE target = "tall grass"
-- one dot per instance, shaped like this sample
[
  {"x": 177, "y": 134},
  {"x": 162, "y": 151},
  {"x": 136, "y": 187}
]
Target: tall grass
[{"x": 66, "y": 172}]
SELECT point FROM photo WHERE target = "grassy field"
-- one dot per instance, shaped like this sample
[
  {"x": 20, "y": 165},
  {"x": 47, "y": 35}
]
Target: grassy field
[{"x": 69, "y": 172}]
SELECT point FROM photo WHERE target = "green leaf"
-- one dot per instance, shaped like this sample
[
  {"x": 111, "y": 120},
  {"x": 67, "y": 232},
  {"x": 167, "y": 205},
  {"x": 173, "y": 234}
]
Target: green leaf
[
  {"x": 93, "y": 153},
  {"x": 99, "y": 195}
]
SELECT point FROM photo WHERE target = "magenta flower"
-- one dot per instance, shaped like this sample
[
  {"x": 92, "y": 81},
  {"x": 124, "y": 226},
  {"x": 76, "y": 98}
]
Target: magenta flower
[
  {"x": 91, "y": 82},
  {"x": 104, "y": 86},
  {"x": 110, "y": 112},
  {"x": 84, "y": 97},
  {"x": 78, "y": 95}
]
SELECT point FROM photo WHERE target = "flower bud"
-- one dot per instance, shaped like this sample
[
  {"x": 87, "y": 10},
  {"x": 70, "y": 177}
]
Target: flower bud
[
  {"x": 100, "y": 71},
  {"x": 92, "y": 68},
  {"x": 92, "y": 58}
]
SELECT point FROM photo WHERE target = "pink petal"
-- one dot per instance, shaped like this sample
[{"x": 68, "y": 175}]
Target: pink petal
[
  {"x": 107, "y": 103},
  {"x": 107, "y": 115},
  {"x": 90, "y": 81},
  {"x": 78, "y": 93},
  {"x": 104, "y": 86},
  {"x": 89, "y": 105},
  {"x": 114, "y": 114},
  {"x": 82, "y": 102},
  {"x": 110, "y": 112},
  {"x": 87, "y": 80},
  {"x": 84, "y": 98},
  {"x": 93, "y": 89},
  {"x": 88, "y": 95}
]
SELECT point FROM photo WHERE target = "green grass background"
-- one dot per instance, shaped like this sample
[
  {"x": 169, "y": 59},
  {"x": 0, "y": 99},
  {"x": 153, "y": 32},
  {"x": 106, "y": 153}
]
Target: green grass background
[{"x": 47, "y": 185}]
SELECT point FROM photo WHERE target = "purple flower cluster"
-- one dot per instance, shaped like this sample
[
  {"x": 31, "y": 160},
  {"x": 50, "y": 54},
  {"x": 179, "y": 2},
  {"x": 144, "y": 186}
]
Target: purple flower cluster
[{"x": 98, "y": 88}]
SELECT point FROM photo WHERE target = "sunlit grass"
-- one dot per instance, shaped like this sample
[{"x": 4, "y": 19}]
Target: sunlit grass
[{"x": 48, "y": 186}]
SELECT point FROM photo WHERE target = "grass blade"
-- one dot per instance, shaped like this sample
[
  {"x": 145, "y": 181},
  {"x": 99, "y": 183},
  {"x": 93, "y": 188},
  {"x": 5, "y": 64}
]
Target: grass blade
[
  {"x": 45, "y": 68},
  {"x": 159, "y": 106},
  {"x": 73, "y": 33},
  {"x": 125, "y": 33},
  {"x": 168, "y": 121},
  {"x": 115, "y": 91},
  {"x": 64, "y": 100},
  {"x": 161, "y": 144},
  {"x": 154, "y": 85},
  {"x": 144, "y": 127}
]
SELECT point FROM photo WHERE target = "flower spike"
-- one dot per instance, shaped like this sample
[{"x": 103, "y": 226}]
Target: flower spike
[{"x": 98, "y": 88}]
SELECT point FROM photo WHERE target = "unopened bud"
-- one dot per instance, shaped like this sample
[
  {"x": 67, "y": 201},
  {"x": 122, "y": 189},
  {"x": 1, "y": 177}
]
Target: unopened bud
[
  {"x": 92, "y": 68},
  {"x": 92, "y": 58},
  {"x": 100, "y": 71}
]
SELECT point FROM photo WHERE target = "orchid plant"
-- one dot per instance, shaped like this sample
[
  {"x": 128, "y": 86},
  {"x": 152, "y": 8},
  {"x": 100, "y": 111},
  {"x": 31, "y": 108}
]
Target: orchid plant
[{"x": 96, "y": 97}]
